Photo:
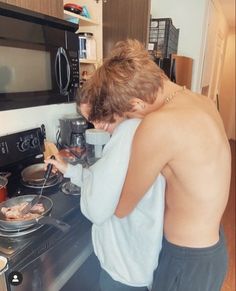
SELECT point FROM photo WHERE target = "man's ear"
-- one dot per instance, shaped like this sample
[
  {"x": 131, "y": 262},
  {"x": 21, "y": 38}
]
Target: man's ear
[{"x": 137, "y": 104}]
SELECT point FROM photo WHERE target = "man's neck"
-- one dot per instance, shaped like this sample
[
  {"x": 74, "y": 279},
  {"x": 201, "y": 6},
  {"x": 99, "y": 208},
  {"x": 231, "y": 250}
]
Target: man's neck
[{"x": 169, "y": 91}]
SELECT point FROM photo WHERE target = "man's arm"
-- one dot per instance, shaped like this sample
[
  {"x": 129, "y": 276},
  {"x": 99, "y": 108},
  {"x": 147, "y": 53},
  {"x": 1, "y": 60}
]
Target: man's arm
[{"x": 149, "y": 155}]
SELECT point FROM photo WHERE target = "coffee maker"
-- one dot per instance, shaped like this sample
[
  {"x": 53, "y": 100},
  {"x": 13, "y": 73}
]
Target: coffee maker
[{"x": 72, "y": 131}]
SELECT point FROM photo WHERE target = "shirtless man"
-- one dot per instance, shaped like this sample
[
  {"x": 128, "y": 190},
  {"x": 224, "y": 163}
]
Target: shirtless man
[{"x": 181, "y": 136}]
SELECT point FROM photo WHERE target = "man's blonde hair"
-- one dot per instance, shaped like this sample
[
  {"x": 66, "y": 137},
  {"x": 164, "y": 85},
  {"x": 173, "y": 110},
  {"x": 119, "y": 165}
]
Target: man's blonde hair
[{"x": 128, "y": 72}]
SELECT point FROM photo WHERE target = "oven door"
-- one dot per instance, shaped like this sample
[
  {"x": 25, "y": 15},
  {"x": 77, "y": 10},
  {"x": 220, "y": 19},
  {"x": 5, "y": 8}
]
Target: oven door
[
  {"x": 65, "y": 262},
  {"x": 36, "y": 64}
]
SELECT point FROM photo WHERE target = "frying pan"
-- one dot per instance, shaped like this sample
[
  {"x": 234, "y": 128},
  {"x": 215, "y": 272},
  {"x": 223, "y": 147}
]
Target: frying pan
[
  {"x": 23, "y": 224},
  {"x": 34, "y": 174}
]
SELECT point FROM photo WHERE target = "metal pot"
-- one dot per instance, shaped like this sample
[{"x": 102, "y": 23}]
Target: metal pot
[
  {"x": 34, "y": 174},
  {"x": 3, "y": 188},
  {"x": 16, "y": 225}
]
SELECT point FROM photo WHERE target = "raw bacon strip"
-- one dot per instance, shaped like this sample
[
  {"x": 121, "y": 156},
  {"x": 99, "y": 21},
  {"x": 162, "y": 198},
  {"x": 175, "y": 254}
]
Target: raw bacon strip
[
  {"x": 14, "y": 212},
  {"x": 37, "y": 208}
]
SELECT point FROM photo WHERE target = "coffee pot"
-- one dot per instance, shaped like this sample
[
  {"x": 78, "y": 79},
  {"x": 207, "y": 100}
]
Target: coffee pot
[{"x": 72, "y": 130}]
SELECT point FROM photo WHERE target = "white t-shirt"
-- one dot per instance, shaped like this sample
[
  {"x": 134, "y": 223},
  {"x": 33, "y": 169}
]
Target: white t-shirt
[{"x": 127, "y": 248}]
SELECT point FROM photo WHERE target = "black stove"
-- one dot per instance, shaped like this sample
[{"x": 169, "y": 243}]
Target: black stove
[{"x": 29, "y": 251}]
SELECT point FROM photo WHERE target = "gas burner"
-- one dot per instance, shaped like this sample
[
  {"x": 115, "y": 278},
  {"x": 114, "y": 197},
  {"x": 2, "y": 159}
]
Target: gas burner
[
  {"x": 69, "y": 188},
  {"x": 48, "y": 184},
  {"x": 19, "y": 232}
]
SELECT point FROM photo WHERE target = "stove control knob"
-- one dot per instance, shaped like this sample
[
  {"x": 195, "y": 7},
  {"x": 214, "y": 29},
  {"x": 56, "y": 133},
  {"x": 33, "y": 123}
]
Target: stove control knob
[
  {"x": 24, "y": 145},
  {"x": 34, "y": 142}
]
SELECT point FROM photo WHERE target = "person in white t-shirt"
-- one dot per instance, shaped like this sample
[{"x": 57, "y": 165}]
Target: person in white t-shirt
[{"x": 128, "y": 248}]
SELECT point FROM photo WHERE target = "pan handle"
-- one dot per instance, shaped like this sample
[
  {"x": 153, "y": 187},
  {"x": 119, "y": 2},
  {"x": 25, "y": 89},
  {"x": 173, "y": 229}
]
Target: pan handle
[{"x": 55, "y": 222}]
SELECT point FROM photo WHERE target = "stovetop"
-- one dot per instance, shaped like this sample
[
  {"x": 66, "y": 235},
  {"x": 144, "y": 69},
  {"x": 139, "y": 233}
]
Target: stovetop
[
  {"x": 16, "y": 186},
  {"x": 18, "y": 250},
  {"x": 21, "y": 150}
]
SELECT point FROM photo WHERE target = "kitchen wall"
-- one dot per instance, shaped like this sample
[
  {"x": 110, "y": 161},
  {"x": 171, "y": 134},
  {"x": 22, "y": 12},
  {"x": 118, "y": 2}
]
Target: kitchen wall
[
  {"x": 190, "y": 17},
  {"x": 227, "y": 89},
  {"x": 21, "y": 119},
  {"x": 193, "y": 19}
]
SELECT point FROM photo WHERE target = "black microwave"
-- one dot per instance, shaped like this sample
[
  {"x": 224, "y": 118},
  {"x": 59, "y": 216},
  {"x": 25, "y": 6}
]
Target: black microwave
[{"x": 39, "y": 59}]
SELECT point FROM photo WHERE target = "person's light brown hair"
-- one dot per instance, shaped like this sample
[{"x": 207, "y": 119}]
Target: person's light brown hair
[{"x": 128, "y": 72}]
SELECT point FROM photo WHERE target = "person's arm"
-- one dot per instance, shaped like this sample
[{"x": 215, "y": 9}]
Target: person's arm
[
  {"x": 101, "y": 188},
  {"x": 102, "y": 183},
  {"x": 149, "y": 154}
]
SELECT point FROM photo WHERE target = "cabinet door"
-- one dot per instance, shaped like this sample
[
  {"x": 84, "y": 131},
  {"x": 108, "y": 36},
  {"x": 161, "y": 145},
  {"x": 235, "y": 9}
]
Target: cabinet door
[
  {"x": 52, "y": 7},
  {"x": 27, "y": 4},
  {"x": 12, "y": 2},
  {"x": 48, "y": 7},
  {"x": 124, "y": 19}
]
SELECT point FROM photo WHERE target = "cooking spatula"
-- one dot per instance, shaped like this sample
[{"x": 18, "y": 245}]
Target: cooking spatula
[{"x": 36, "y": 199}]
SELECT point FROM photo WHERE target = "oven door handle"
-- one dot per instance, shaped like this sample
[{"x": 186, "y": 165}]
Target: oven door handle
[{"x": 61, "y": 53}]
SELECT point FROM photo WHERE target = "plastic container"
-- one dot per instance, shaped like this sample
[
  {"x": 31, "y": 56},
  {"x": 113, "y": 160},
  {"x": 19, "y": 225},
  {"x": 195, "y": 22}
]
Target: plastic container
[
  {"x": 71, "y": 7},
  {"x": 95, "y": 141},
  {"x": 163, "y": 37},
  {"x": 88, "y": 47}
]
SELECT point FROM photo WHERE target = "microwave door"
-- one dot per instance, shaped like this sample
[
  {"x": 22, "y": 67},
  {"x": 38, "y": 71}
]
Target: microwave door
[{"x": 62, "y": 71}]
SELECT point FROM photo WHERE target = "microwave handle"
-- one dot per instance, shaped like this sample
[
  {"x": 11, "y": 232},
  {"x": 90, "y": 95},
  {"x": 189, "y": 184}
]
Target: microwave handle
[
  {"x": 68, "y": 70},
  {"x": 61, "y": 52},
  {"x": 58, "y": 72}
]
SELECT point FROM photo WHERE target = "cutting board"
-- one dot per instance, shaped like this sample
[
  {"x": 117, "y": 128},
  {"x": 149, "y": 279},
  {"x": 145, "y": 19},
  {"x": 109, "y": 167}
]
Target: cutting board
[{"x": 50, "y": 149}]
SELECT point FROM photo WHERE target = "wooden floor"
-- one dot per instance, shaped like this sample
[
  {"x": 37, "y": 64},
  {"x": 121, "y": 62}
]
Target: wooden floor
[{"x": 229, "y": 227}]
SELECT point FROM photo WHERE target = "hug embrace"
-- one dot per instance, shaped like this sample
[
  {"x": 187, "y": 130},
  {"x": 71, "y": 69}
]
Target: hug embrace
[{"x": 157, "y": 195}]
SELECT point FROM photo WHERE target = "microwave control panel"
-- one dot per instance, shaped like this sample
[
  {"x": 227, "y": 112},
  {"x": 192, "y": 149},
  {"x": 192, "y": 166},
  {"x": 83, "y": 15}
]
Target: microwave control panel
[{"x": 74, "y": 69}]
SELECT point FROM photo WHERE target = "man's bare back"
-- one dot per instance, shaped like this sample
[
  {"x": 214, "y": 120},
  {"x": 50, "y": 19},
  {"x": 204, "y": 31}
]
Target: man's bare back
[{"x": 185, "y": 141}]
